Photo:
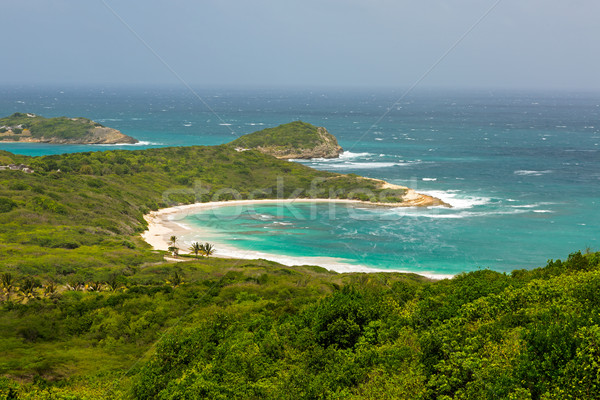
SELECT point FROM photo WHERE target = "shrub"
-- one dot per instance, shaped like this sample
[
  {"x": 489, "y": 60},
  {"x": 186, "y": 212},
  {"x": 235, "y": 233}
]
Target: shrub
[{"x": 6, "y": 205}]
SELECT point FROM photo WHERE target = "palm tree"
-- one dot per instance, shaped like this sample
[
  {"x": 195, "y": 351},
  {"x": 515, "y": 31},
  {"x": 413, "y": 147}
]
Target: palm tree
[
  {"x": 113, "y": 282},
  {"x": 176, "y": 279},
  {"x": 174, "y": 251},
  {"x": 27, "y": 291},
  {"x": 94, "y": 286},
  {"x": 208, "y": 249},
  {"x": 75, "y": 284},
  {"x": 173, "y": 246},
  {"x": 7, "y": 282},
  {"x": 196, "y": 248},
  {"x": 50, "y": 289}
]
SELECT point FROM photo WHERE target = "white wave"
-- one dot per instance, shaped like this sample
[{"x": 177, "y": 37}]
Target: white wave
[
  {"x": 458, "y": 200},
  {"x": 188, "y": 124},
  {"x": 543, "y": 211},
  {"x": 525, "y": 172},
  {"x": 140, "y": 143},
  {"x": 348, "y": 155},
  {"x": 363, "y": 165},
  {"x": 526, "y": 206},
  {"x": 378, "y": 138},
  {"x": 429, "y": 179},
  {"x": 441, "y": 213},
  {"x": 225, "y": 124}
]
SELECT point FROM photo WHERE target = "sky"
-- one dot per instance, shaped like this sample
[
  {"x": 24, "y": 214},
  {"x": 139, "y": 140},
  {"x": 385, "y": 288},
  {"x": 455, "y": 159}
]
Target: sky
[{"x": 516, "y": 44}]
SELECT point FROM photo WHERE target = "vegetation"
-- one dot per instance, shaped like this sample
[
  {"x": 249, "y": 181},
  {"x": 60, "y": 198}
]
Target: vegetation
[
  {"x": 60, "y": 128},
  {"x": 295, "y": 139},
  {"x": 88, "y": 311},
  {"x": 257, "y": 329}
]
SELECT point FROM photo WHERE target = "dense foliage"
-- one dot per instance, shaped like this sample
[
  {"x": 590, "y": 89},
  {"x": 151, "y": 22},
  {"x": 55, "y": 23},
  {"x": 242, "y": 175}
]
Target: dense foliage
[
  {"x": 255, "y": 329},
  {"x": 297, "y": 134},
  {"x": 88, "y": 311},
  {"x": 60, "y": 127}
]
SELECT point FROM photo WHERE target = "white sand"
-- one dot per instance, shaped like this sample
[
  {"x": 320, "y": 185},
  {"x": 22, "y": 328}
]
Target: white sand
[{"x": 164, "y": 223}]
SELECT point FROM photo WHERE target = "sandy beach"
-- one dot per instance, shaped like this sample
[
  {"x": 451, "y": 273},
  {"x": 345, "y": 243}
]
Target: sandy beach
[{"x": 167, "y": 222}]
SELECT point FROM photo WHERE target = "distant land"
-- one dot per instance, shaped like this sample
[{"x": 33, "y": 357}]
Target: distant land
[
  {"x": 32, "y": 128},
  {"x": 295, "y": 140}
]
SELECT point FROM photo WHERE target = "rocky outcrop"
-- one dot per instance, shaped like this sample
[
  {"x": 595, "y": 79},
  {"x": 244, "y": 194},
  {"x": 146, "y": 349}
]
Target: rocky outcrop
[
  {"x": 410, "y": 198},
  {"x": 96, "y": 135},
  {"x": 327, "y": 147}
]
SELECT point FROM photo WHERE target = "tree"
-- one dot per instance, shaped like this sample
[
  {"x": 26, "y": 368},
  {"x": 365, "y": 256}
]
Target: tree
[
  {"x": 196, "y": 248},
  {"x": 113, "y": 282},
  {"x": 208, "y": 249},
  {"x": 7, "y": 282},
  {"x": 28, "y": 290},
  {"x": 173, "y": 246},
  {"x": 173, "y": 250},
  {"x": 176, "y": 279},
  {"x": 50, "y": 290}
]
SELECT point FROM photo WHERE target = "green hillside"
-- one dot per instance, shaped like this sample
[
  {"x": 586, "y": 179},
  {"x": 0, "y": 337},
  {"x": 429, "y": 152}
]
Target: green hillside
[
  {"x": 292, "y": 140},
  {"x": 89, "y": 311}
]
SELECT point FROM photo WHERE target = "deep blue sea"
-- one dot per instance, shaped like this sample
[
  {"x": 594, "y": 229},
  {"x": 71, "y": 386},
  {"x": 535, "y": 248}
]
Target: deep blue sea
[{"x": 522, "y": 169}]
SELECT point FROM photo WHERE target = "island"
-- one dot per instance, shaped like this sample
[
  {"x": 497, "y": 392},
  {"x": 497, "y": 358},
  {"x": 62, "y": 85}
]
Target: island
[
  {"x": 294, "y": 140},
  {"x": 32, "y": 128}
]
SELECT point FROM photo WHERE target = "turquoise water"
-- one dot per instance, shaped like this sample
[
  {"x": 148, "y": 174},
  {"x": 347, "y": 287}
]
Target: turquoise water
[{"x": 522, "y": 170}]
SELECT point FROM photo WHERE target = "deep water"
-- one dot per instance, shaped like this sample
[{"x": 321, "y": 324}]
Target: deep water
[{"x": 522, "y": 170}]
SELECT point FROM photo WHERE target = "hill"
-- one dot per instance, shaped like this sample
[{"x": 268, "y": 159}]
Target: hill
[
  {"x": 88, "y": 310},
  {"x": 295, "y": 140},
  {"x": 20, "y": 127}
]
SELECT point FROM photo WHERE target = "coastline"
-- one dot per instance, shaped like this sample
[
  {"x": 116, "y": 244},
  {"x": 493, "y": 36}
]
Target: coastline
[{"x": 162, "y": 225}]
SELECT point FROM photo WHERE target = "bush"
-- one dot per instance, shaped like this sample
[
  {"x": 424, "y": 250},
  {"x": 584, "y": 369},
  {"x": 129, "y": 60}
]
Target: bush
[{"x": 6, "y": 205}]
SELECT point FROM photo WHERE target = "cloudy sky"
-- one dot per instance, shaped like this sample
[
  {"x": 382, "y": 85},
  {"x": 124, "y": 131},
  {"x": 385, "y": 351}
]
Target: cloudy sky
[{"x": 374, "y": 43}]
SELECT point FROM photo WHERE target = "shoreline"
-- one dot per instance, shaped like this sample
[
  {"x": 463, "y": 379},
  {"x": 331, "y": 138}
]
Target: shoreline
[{"x": 162, "y": 224}]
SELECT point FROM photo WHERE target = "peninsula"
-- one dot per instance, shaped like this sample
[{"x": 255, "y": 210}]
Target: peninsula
[
  {"x": 32, "y": 128},
  {"x": 295, "y": 140}
]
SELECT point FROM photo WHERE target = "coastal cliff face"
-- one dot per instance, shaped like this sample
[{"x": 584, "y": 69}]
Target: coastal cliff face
[
  {"x": 31, "y": 128},
  {"x": 296, "y": 140}
]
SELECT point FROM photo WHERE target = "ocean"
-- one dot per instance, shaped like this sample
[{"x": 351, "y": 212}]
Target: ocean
[{"x": 521, "y": 169}]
